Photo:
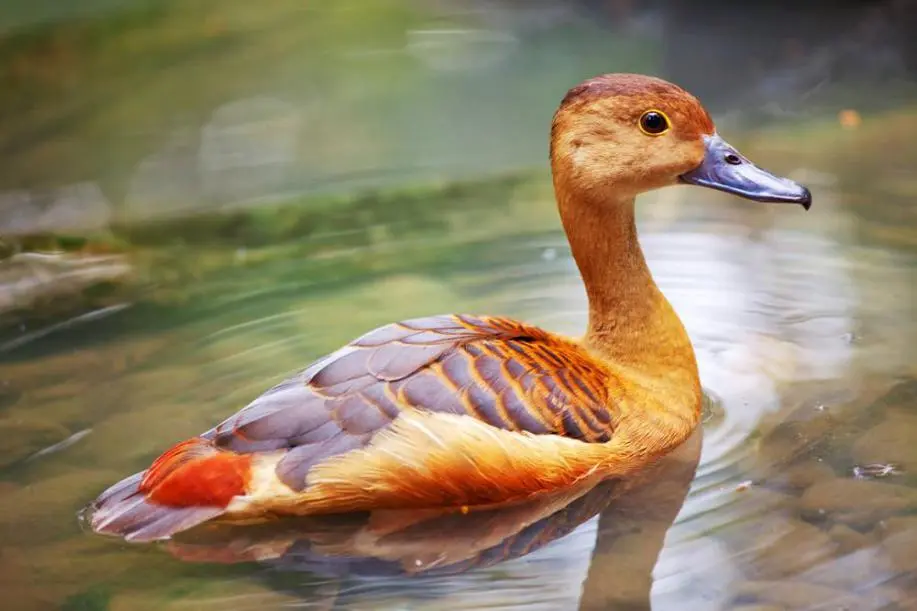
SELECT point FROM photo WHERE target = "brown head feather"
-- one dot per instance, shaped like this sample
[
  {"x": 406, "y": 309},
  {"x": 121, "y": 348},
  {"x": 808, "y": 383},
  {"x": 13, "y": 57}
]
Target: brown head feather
[
  {"x": 598, "y": 148},
  {"x": 631, "y": 94}
]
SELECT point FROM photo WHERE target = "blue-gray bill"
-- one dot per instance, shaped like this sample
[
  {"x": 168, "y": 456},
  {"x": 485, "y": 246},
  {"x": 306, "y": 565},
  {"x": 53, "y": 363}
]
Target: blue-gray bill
[{"x": 725, "y": 169}]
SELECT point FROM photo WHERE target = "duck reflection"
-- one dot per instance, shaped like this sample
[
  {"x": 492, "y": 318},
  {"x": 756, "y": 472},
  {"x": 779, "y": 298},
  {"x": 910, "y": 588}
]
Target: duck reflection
[{"x": 401, "y": 547}]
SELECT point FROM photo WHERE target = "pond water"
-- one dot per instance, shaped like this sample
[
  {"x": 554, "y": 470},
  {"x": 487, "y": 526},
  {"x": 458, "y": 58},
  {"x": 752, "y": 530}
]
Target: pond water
[
  {"x": 799, "y": 492},
  {"x": 805, "y": 332}
]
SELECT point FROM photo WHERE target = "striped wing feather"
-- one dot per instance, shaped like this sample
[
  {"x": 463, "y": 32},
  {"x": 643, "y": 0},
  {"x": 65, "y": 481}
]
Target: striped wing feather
[{"x": 504, "y": 373}]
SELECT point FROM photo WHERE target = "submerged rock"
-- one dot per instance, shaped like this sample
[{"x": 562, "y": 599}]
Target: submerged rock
[
  {"x": 901, "y": 550},
  {"x": 900, "y": 543},
  {"x": 804, "y": 474},
  {"x": 890, "y": 442},
  {"x": 801, "y": 595},
  {"x": 856, "y": 571},
  {"x": 782, "y": 548},
  {"x": 856, "y": 503},
  {"x": 848, "y": 539}
]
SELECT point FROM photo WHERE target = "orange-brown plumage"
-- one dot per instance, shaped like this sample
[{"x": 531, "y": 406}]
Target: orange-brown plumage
[
  {"x": 417, "y": 541},
  {"x": 628, "y": 95},
  {"x": 194, "y": 473},
  {"x": 458, "y": 410}
]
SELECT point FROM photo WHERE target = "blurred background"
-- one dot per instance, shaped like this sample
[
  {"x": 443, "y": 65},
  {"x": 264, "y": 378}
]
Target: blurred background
[
  {"x": 117, "y": 110},
  {"x": 198, "y": 197}
]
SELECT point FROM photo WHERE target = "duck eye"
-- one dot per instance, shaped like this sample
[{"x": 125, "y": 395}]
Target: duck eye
[{"x": 654, "y": 123}]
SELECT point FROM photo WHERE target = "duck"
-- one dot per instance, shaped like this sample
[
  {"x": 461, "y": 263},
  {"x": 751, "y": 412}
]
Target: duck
[
  {"x": 386, "y": 542},
  {"x": 467, "y": 412}
]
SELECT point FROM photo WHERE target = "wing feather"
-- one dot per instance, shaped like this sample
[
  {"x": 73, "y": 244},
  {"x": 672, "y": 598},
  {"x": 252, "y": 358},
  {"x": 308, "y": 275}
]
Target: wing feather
[{"x": 509, "y": 375}]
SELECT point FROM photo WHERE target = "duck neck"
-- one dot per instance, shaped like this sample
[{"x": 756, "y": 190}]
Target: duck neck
[
  {"x": 632, "y": 326},
  {"x": 631, "y": 322}
]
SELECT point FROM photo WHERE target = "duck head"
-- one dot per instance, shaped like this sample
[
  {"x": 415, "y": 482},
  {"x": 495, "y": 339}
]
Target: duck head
[{"x": 631, "y": 133}]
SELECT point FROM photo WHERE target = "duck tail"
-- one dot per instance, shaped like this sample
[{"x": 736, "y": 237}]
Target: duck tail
[{"x": 189, "y": 484}]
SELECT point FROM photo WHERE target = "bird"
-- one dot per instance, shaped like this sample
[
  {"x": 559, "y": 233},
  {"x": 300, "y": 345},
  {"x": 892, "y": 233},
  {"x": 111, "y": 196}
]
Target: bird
[
  {"x": 462, "y": 411},
  {"x": 431, "y": 542}
]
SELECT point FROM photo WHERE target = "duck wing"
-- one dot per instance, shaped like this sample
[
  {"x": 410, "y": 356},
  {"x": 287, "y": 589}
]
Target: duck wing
[
  {"x": 443, "y": 411},
  {"x": 499, "y": 371}
]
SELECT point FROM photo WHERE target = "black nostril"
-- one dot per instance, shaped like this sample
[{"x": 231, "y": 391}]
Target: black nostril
[{"x": 733, "y": 159}]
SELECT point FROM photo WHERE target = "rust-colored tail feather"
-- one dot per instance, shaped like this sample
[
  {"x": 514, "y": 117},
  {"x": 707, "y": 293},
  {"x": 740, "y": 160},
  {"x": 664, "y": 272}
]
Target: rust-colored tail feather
[
  {"x": 191, "y": 483},
  {"x": 196, "y": 473}
]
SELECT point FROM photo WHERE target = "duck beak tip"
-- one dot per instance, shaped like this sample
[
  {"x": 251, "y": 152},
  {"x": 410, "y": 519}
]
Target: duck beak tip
[
  {"x": 725, "y": 169},
  {"x": 806, "y": 201}
]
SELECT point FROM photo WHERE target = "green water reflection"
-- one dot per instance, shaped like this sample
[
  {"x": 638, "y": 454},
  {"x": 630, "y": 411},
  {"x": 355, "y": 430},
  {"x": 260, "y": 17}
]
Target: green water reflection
[{"x": 168, "y": 105}]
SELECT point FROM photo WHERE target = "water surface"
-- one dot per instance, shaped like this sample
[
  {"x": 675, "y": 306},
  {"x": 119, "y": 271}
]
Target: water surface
[
  {"x": 799, "y": 493},
  {"x": 805, "y": 337}
]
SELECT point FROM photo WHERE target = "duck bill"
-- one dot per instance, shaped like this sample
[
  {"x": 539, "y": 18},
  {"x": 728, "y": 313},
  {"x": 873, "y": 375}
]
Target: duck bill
[{"x": 725, "y": 169}]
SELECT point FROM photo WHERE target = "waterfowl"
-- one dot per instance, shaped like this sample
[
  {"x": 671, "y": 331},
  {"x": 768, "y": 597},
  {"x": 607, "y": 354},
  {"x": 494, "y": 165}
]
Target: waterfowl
[
  {"x": 407, "y": 542},
  {"x": 416, "y": 542},
  {"x": 470, "y": 411}
]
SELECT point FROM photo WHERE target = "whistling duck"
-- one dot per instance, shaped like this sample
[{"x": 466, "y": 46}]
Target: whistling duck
[
  {"x": 468, "y": 411},
  {"x": 415, "y": 541}
]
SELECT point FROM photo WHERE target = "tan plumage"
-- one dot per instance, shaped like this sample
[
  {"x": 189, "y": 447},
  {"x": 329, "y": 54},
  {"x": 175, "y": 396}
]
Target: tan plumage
[
  {"x": 459, "y": 410},
  {"x": 448, "y": 538},
  {"x": 383, "y": 543}
]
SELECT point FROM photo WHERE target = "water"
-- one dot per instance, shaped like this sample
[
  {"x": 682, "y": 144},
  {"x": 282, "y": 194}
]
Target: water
[{"x": 800, "y": 492}]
